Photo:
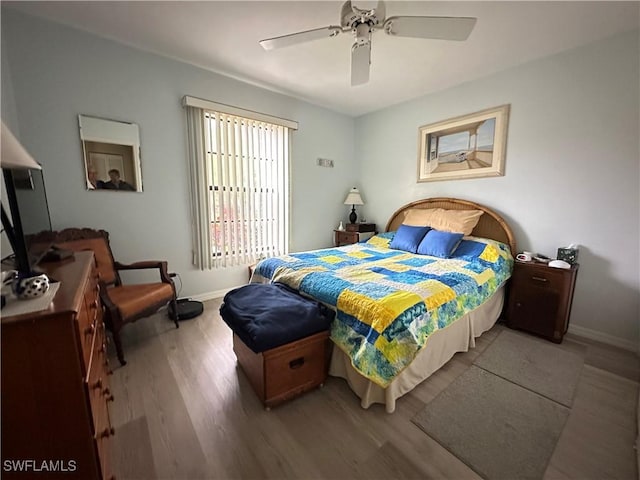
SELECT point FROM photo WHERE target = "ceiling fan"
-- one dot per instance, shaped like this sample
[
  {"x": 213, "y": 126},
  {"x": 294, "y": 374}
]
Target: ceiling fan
[{"x": 362, "y": 23}]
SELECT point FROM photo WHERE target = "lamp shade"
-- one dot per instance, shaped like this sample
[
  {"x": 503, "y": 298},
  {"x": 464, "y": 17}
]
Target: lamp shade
[
  {"x": 13, "y": 155},
  {"x": 353, "y": 198}
]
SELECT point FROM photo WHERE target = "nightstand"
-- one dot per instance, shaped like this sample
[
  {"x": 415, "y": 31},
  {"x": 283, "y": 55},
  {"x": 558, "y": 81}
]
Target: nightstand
[
  {"x": 540, "y": 299},
  {"x": 352, "y": 233}
]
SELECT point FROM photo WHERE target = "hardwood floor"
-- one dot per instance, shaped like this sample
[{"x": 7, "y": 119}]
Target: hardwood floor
[{"x": 184, "y": 410}]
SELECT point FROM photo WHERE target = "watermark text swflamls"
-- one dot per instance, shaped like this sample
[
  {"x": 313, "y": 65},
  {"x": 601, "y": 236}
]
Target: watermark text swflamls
[{"x": 31, "y": 465}]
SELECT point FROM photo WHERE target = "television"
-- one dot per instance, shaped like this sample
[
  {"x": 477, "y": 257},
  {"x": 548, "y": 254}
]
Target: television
[{"x": 26, "y": 196}]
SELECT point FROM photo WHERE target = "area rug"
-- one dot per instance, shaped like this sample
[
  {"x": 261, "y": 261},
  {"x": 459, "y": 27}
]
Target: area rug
[
  {"x": 535, "y": 364},
  {"x": 499, "y": 429}
]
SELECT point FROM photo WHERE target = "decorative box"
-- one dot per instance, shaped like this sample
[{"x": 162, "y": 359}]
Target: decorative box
[{"x": 569, "y": 255}]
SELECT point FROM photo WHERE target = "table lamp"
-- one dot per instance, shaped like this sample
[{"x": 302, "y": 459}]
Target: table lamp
[{"x": 353, "y": 199}]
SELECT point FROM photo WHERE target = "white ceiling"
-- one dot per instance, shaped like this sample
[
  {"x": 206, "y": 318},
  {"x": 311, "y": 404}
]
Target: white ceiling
[{"x": 223, "y": 37}]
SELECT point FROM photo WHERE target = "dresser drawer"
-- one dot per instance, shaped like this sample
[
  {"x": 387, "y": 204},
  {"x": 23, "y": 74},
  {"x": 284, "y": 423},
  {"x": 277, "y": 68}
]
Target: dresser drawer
[
  {"x": 104, "y": 452},
  {"x": 102, "y": 440},
  {"x": 90, "y": 310},
  {"x": 87, "y": 332},
  {"x": 98, "y": 381}
]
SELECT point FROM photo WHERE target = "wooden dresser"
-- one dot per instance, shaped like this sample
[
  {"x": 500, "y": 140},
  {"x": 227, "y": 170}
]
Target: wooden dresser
[{"x": 55, "y": 389}]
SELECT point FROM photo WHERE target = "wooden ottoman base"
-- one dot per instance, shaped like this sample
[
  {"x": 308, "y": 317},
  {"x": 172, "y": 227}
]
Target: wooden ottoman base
[{"x": 287, "y": 371}]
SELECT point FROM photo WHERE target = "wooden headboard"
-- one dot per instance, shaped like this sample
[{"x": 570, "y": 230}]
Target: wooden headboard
[{"x": 491, "y": 225}]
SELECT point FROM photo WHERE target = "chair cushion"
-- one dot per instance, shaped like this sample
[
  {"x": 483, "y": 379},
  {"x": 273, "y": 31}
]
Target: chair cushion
[{"x": 138, "y": 300}]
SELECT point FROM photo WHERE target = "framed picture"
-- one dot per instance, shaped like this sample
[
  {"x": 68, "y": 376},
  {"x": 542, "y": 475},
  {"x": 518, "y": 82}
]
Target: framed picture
[{"x": 469, "y": 146}]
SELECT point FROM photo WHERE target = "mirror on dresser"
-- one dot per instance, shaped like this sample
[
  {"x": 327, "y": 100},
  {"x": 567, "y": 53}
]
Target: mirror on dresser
[{"x": 111, "y": 154}]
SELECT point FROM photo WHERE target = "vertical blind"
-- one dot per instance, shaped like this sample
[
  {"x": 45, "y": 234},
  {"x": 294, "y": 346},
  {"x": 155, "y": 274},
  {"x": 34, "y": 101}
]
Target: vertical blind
[{"x": 240, "y": 187}]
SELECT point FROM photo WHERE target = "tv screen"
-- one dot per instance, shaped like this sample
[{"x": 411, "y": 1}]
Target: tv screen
[
  {"x": 32, "y": 201},
  {"x": 33, "y": 210}
]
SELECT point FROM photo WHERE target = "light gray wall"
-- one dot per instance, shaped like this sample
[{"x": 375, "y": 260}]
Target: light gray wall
[
  {"x": 58, "y": 73},
  {"x": 572, "y": 167}
]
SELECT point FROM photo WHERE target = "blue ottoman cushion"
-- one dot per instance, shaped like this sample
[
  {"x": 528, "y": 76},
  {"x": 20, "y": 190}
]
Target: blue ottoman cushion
[{"x": 267, "y": 316}]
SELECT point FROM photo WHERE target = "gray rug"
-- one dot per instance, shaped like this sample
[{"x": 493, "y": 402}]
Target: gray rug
[
  {"x": 535, "y": 364},
  {"x": 499, "y": 429}
]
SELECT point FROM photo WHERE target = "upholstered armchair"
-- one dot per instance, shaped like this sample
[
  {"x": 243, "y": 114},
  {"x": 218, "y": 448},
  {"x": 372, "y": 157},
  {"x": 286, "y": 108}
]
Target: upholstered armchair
[{"x": 122, "y": 303}]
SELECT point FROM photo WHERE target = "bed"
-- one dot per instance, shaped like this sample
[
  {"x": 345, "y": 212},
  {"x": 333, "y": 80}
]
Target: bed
[{"x": 401, "y": 316}]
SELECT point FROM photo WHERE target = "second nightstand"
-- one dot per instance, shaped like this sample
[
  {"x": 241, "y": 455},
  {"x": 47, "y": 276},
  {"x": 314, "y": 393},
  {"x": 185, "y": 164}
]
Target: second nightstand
[
  {"x": 352, "y": 233},
  {"x": 540, "y": 299}
]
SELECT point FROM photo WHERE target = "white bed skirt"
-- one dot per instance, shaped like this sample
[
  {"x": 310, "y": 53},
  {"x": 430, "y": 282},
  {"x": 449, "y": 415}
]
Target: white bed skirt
[{"x": 440, "y": 347}]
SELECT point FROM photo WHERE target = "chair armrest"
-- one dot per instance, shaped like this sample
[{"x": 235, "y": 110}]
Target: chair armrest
[{"x": 160, "y": 265}]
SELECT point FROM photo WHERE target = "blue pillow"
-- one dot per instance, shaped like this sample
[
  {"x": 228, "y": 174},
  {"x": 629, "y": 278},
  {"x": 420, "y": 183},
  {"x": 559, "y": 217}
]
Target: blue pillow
[
  {"x": 408, "y": 238},
  {"x": 439, "y": 244}
]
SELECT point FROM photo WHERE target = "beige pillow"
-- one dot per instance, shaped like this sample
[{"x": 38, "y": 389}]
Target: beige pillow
[
  {"x": 458, "y": 221},
  {"x": 421, "y": 217}
]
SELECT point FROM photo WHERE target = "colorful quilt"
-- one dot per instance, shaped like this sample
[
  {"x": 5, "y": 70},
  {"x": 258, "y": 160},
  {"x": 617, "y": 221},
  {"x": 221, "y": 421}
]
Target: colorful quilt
[{"x": 388, "y": 301}]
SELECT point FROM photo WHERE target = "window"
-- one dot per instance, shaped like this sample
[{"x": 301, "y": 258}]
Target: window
[{"x": 239, "y": 170}]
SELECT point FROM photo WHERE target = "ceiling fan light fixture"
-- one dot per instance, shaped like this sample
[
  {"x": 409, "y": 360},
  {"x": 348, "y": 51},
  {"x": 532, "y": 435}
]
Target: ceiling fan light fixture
[{"x": 362, "y": 33}]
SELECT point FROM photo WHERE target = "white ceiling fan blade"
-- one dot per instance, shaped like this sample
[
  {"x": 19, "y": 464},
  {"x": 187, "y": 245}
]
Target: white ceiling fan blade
[
  {"x": 300, "y": 37},
  {"x": 442, "y": 28},
  {"x": 360, "y": 61}
]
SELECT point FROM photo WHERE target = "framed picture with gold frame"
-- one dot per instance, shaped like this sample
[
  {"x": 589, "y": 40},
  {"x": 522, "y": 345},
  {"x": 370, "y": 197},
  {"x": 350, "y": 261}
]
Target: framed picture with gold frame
[{"x": 469, "y": 146}]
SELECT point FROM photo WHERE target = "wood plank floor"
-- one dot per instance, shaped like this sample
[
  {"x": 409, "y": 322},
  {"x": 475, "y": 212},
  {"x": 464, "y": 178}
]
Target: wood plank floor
[{"x": 184, "y": 410}]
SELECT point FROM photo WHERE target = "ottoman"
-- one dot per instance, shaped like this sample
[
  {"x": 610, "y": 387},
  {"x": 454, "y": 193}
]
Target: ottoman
[{"x": 281, "y": 340}]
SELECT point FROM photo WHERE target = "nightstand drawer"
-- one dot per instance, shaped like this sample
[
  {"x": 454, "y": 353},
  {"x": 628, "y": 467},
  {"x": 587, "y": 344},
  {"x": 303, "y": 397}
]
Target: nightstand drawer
[
  {"x": 538, "y": 278},
  {"x": 345, "y": 238},
  {"x": 361, "y": 227}
]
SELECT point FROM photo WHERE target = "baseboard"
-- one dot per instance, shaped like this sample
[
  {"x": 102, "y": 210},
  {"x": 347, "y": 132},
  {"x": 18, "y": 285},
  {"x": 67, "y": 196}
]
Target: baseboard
[
  {"x": 203, "y": 297},
  {"x": 604, "y": 338}
]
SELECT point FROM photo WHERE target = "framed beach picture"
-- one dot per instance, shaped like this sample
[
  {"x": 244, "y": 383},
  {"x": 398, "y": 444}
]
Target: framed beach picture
[{"x": 469, "y": 146}]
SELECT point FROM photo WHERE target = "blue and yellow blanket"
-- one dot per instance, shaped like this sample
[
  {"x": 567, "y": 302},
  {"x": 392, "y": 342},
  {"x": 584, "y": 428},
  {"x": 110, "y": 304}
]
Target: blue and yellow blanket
[{"x": 388, "y": 301}]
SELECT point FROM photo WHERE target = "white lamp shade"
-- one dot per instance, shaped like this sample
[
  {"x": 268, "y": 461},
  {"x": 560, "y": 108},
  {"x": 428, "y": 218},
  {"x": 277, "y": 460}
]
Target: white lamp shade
[
  {"x": 353, "y": 198},
  {"x": 13, "y": 155}
]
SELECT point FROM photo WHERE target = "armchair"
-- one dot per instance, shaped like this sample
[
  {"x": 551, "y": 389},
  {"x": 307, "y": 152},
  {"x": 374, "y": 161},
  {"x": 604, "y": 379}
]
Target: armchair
[{"x": 122, "y": 303}]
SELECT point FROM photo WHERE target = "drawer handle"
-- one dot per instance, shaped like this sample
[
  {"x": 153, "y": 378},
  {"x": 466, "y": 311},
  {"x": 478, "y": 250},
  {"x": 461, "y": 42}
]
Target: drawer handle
[
  {"x": 297, "y": 363},
  {"x": 107, "y": 432},
  {"x": 106, "y": 367},
  {"x": 539, "y": 279},
  {"x": 97, "y": 384},
  {"x": 89, "y": 330},
  {"x": 94, "y": 304}
]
